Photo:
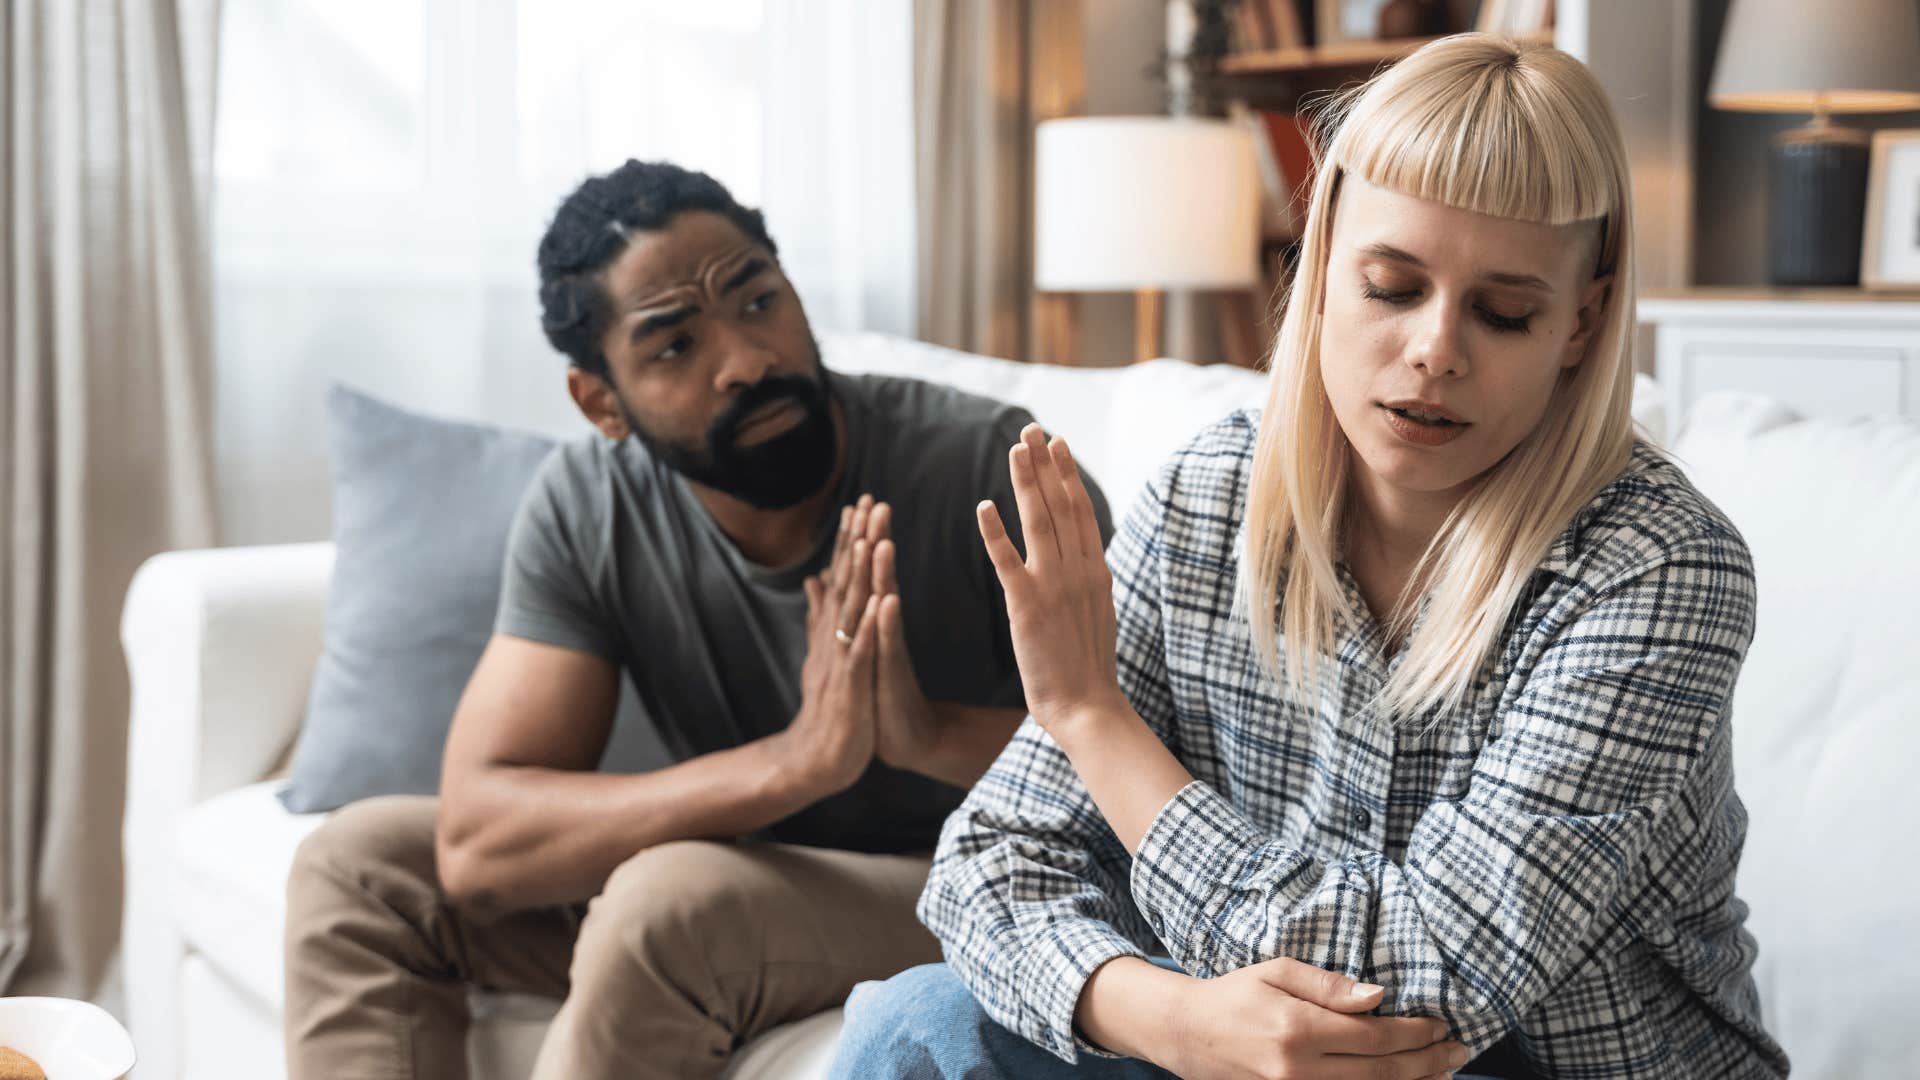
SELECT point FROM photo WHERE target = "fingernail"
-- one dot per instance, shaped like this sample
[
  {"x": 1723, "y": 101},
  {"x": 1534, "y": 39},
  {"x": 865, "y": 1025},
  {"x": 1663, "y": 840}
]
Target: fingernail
[
  {"x": 1361, "y": 990},
  {"x": 1457, "y": 1057}
]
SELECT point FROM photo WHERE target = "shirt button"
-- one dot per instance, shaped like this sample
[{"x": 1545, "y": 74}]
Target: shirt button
[{"x": 1361, "y": 819}]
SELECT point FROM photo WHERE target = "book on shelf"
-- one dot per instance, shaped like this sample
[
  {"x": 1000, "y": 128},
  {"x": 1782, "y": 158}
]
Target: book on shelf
[
  {"x": 1284, "y": 16},
  {"x": 1283, "y": 153},
  {"x": 1264, "y": 25}
]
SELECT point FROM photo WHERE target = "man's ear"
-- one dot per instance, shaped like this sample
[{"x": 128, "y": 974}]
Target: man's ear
[
  {"x": 1593, "y": 308},
  {"x": 595, "y": 397}
]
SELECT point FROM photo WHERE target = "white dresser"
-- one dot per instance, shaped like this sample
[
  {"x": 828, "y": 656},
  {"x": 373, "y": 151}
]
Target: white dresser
[{"x": 1824, "y": 352}]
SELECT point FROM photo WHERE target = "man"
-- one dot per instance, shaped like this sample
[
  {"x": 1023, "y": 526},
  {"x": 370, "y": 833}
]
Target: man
[{"x": 784, "y": 561}]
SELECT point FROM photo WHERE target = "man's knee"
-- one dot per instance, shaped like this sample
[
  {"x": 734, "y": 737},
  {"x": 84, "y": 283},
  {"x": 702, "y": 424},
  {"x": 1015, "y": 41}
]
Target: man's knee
[
  {"x": 364, "y": 848},
  {"x": 670, "y": 901}
]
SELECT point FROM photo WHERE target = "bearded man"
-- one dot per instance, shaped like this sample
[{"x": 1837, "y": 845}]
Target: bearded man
[{"x": 784, "y": 562}]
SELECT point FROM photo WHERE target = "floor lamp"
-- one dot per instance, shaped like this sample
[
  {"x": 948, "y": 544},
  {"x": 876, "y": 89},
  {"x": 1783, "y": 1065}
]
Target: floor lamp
[{"x": 1143, "y": 204}]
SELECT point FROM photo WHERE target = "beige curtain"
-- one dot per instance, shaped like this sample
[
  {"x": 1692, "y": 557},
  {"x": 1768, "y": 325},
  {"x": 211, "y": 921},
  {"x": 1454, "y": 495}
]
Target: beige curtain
[
  {"x": 985, "y": 72},
  {"x": 104, "y": 428}
]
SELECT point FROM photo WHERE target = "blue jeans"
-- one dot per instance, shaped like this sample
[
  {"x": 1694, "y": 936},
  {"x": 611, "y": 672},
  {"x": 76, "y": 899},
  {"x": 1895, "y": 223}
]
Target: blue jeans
[{"x": 923, "y": 1024}]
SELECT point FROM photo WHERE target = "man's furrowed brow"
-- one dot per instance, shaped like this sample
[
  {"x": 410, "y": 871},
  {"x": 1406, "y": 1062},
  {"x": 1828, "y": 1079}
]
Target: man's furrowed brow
[
  {"x": 751, "y": 270},
  {"x": 661, "y": 320}
]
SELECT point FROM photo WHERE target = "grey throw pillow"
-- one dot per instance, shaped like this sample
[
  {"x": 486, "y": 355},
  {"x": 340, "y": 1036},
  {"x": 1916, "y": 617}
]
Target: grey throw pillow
[{"x": 421, "y": 508}]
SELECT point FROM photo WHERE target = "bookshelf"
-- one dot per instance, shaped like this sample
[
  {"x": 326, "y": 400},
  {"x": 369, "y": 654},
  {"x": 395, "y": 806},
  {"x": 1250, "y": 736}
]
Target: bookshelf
[
  {"x": 1285, "y": 51},
  {"x": 1338, "y": 57}
]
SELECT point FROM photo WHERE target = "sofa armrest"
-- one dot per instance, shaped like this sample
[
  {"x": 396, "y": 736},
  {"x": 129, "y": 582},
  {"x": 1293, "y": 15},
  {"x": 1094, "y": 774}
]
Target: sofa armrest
[
  {"x": 220, "y": 644},
  {"x": 220, "y": 647}
]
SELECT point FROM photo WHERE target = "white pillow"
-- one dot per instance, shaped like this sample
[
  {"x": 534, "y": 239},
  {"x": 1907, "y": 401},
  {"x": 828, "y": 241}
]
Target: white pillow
[{"x": 1827, "y": 721}]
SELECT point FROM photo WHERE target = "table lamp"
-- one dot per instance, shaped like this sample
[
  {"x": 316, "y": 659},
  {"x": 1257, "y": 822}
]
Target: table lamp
[
  {"x": 1839, "y": 56},
  {"x": 1143, "y": 204}
]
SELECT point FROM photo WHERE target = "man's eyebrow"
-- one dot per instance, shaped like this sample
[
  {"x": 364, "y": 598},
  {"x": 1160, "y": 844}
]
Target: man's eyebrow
[
  {"x": 1498, "y": 277},
  {"x": 660, "y": 320},
  {"x": 743, "y": 275}
]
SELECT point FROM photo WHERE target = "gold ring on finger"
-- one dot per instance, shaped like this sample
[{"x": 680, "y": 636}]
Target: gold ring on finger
[{"x": 841, "y": 636}]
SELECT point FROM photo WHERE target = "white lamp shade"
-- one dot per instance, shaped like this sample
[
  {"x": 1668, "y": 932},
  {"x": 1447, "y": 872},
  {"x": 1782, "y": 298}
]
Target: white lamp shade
[
  {"x": 1145, "y": 202},
  {"x": 1796, "y": 56}
]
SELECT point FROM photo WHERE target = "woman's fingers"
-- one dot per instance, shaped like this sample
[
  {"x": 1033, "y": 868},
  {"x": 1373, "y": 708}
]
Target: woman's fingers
[
  {"x": 1035, "y": 522},
  {"x": 1080, "y": 502},
  {"x": 1000, "y": 550},
  {"x": 1046, "y": 476}
]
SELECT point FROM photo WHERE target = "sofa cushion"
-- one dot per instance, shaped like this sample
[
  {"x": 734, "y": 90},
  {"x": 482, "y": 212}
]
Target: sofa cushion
[
  {"x": 228, "y": 893},
  {"x": 1824, "y": 731},
  {"x": 421, "y": 508}
]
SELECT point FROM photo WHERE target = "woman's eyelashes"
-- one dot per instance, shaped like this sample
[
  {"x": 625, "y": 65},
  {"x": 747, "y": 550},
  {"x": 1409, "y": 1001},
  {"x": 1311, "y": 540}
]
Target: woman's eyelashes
[{"x": 1494, "y": 320}]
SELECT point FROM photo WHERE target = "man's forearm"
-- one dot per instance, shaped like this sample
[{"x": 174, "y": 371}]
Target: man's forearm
[
  {"x": 965, "y": 741},
  {"x": 516, "y": 837}
]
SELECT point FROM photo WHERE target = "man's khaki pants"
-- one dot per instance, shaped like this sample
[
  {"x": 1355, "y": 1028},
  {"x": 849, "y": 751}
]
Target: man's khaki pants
[{"x": 692, "y": 948}]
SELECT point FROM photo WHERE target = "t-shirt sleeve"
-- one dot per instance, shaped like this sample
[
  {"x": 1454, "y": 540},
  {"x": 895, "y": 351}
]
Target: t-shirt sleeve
[{"x": 553, "y": 553}]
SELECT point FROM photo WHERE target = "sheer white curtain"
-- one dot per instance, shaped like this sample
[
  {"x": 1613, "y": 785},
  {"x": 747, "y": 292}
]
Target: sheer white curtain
[{"x": 384, "y": 169}]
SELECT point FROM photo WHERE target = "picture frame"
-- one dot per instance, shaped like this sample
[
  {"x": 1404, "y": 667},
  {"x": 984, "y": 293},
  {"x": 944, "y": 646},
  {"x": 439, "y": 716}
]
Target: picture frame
[
  {"x": 1890, "y": 248},
  {"x": 1337, "y": 21}
]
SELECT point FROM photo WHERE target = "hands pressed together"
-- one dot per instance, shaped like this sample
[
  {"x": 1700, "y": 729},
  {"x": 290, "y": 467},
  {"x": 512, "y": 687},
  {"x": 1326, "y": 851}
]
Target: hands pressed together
[{"x": 859, "y": 696}]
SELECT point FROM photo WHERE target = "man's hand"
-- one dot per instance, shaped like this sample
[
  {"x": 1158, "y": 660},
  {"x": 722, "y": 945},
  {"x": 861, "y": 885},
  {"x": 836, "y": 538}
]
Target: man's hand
[
  {"x": 833, "y": 734},
  {"x": 1285, "y": 1018},
  {"x": 906, "y": 726}
]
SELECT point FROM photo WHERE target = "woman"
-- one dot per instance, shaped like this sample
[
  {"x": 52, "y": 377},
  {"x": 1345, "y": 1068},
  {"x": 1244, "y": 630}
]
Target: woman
[{"x": 1400, "y": 719}]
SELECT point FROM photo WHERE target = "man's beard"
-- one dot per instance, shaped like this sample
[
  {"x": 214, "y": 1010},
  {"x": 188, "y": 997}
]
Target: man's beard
[{"x": 771, "y": 475}]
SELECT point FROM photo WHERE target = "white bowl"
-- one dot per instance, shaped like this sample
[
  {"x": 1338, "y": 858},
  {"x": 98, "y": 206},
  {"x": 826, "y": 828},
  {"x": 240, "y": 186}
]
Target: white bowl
[{"x": 71, "y": 1040}]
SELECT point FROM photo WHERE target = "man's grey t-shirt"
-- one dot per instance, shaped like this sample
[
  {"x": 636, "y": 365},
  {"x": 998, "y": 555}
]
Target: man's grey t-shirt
[{"x": 611, "y": 554}]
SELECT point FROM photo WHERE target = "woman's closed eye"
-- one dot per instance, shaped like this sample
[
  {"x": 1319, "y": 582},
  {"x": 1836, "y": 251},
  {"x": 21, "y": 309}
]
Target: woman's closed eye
[{"x": 1496, "y": 321}]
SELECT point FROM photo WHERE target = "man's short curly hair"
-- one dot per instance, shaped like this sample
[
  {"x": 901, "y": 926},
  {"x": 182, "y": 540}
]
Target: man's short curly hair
[{"x": 592, "y": 228}]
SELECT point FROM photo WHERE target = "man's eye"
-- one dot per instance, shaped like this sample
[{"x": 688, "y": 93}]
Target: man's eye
[
  {"x": 760, "y": 303},
  {"x": 676, "y": 349}
]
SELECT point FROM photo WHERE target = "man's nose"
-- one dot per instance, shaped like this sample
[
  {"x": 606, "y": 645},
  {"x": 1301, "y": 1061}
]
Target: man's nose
[{"x": 743, "y": 362}]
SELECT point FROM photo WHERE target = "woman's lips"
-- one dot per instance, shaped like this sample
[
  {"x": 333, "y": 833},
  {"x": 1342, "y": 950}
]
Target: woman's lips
[{"x": 1421, "y": 434}]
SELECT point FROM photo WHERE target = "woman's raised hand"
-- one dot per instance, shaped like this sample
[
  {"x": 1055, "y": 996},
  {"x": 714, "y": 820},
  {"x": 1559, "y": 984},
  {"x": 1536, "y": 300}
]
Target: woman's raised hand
[{"x": 1060, "y": 599}]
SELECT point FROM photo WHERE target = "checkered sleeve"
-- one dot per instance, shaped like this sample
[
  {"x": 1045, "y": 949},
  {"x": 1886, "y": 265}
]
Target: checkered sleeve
[
  {"x": 1028, "y": 892},
  {"x": 1619, "y": 724}
]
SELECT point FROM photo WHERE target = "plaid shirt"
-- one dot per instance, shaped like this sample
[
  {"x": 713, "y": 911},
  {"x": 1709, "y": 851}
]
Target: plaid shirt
[{"x": 1555, "y": 862}]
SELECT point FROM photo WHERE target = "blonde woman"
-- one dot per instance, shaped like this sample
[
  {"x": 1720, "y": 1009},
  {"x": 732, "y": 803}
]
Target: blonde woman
[{"x": 1397, "y": 716}]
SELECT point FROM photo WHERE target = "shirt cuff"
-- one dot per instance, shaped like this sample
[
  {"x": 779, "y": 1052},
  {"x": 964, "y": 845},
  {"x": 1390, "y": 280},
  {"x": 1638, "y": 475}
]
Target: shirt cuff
[
  {"x": 1060, "y": 965},
  {"x": 1197, "y": 847}
]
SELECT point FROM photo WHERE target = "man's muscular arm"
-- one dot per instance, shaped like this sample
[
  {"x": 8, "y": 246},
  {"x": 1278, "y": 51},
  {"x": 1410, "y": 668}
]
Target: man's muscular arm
[{"x": 526, "y": 822}]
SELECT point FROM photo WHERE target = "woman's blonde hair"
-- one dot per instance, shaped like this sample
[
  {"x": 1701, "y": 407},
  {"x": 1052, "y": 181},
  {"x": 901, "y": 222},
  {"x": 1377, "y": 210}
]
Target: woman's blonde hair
[{"x": 1487, "y": 124}]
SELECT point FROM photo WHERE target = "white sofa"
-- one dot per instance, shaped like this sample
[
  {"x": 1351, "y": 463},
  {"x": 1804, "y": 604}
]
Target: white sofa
[{"x": 221, "y": 644}]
